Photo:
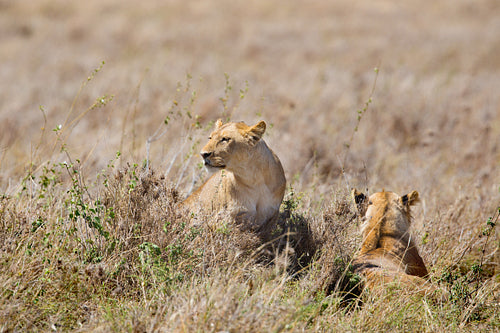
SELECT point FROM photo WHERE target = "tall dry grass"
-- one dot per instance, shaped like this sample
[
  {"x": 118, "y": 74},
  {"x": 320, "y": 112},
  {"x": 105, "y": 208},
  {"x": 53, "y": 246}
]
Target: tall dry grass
[{"x": 91, "y": 239}]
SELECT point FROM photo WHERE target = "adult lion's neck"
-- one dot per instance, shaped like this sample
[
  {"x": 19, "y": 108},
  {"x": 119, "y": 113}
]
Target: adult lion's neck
[
  {"x": 387, "y": 228},
  {"x": 259, "y": 162}
]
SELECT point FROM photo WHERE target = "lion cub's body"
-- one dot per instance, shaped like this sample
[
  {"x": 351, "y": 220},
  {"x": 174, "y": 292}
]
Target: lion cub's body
[
  {"x": 388, "y": 252},
  {"x": 248, "y": 183}
]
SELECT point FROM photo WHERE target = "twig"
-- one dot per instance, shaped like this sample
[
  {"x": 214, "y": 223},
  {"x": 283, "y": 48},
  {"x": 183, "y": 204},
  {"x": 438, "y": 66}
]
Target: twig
[{"x": 358, "y": 121}]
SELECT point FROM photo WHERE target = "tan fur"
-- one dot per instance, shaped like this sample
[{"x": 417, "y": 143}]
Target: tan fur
[
  {"x": 248, "y": 183},
  {"x": 388, "y": 252}
]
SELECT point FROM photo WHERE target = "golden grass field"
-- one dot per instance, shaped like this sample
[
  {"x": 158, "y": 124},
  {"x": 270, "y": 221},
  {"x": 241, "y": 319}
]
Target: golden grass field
[{"x": 376, "y": 95}]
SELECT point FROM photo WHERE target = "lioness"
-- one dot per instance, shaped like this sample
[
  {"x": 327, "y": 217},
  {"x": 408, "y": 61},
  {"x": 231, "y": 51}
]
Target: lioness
[
  {"x": 388, "y": 252},
  {"x": 248, "y": 183}
]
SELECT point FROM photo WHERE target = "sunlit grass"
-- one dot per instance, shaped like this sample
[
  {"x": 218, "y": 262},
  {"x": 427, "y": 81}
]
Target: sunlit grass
[
  {"x": 95, "y": 156},
  {"x": 113, "y": 252}
]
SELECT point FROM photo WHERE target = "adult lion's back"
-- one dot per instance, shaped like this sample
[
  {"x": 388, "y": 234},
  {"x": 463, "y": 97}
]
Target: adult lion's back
[{"x": 388, "y": 252}]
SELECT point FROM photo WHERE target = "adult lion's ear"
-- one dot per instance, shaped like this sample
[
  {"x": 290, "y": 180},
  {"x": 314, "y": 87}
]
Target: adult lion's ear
[
  {"x": 410, "y": 198},
  {"x": 360, "y": 200},
  {"x": 257, "y": 131},
  {"x": 218, "y": 123}
]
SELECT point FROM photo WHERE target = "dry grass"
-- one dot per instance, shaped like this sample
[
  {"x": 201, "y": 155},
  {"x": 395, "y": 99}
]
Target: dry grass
[{"x": 91, "y": 240}]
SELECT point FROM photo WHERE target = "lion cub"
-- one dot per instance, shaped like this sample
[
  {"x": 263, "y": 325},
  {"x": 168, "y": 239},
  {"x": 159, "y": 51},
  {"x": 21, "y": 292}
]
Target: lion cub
[
  {"x": 248, "y": 183},
  {"x": 388, "y": 252}
]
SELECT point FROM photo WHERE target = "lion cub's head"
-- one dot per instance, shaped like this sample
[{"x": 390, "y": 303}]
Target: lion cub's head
[{"x": 231, "y": 144}]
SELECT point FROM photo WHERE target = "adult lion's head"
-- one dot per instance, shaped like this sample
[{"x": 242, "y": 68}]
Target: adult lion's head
[
  {"x": 231, "y": 145},
  {"x": 381, "y": 203}
]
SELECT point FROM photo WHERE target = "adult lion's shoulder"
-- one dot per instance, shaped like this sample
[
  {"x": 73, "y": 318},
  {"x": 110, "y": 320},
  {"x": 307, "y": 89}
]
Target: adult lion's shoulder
[
  {"x": 248, "y": 180},
  {"x": 388, "y": 252}
]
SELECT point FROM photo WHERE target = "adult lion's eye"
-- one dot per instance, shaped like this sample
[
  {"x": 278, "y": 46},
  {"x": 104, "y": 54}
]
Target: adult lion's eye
[{"x": 224, "y": 140}]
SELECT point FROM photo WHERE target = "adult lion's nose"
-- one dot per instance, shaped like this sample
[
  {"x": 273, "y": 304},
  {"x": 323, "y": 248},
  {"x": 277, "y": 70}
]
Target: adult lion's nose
[{"x": 205, "y": 154}]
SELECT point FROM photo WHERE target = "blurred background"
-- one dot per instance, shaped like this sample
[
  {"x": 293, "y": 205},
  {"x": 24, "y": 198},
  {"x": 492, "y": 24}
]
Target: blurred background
[{"x": 97, "y": 77}]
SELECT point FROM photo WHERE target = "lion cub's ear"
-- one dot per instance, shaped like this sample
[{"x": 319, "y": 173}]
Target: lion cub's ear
[
  {"x": 257, "y": 131},
  {"x": 410, "y": 198},
  {"x": 218, "y": 123},
  {"x": 360, "y": 200}
]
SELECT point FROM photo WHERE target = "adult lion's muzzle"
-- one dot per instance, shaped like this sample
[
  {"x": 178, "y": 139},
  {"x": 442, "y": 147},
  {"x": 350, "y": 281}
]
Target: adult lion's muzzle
[
  {"x": 210, "y": 161},
  {"x": 206, "y": 157}
]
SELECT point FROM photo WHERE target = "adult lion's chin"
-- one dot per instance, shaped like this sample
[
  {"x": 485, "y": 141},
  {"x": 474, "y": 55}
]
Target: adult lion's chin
[{"x": 213, "y": 168}]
